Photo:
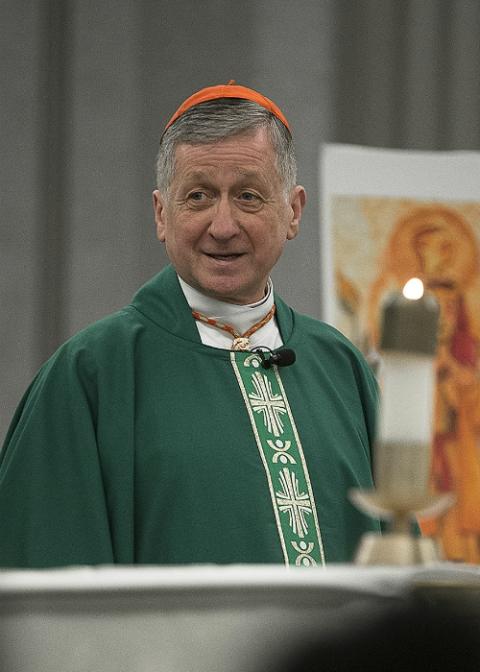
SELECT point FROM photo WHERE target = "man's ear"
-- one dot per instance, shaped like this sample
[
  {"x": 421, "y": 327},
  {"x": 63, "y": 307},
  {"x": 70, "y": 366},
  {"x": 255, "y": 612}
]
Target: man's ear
[
  {"x": 159, "y": 212},
  {"x": 298, "y": 199}
]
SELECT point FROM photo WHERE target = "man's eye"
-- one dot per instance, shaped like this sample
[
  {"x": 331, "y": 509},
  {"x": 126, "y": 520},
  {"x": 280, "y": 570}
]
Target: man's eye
[
  {"x": 197, "y": 196},
  {"x": 250, "y": 200},
  {"x": 198, "y": 199}
]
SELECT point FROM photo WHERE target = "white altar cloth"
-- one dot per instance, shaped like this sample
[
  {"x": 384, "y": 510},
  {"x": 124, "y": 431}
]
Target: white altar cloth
[{"x": 189, "y": 619}]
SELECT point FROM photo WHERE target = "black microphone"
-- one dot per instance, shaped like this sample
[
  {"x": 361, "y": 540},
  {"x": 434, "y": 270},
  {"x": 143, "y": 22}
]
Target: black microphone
[{"x": 282, "y": 357}]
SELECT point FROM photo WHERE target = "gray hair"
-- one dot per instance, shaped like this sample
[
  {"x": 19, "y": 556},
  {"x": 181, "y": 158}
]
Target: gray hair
[{"x": 220, "y": 119}]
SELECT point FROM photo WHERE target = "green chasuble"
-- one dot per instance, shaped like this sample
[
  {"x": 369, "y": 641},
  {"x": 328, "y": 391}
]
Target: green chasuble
[{"x": 136, "y": 443}]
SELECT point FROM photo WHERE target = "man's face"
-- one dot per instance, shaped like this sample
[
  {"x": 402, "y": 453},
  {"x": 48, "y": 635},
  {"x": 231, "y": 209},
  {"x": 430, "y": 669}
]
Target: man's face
[{"x": 226, "y": 217}]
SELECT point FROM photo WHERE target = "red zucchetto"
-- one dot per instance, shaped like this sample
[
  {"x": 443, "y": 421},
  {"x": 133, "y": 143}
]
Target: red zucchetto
[{"x": 230, "y": 90}]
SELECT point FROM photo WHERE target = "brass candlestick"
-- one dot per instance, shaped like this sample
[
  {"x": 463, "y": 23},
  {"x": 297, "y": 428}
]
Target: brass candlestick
[
  {"x": 402, "y": 453},
  {"x": 400, "y": 497}
]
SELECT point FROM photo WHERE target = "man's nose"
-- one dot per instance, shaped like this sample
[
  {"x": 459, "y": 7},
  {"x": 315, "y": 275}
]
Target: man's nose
[{"x": 223, "y": 225}]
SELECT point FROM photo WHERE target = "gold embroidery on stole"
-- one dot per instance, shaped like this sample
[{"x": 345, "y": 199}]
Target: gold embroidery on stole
[{"x": 283, "y": 460}]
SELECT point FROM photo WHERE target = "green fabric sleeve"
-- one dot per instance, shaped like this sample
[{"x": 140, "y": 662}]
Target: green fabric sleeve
[{"x": 52, "y": 503}]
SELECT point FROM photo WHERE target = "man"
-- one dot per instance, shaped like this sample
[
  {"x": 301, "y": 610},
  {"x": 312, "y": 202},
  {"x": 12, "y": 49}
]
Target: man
[{"x": 166, "y": 433}]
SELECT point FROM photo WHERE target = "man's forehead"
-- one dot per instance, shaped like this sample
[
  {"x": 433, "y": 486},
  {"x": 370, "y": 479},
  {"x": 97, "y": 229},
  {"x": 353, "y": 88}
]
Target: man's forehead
[{"x": 210, "y": 173}]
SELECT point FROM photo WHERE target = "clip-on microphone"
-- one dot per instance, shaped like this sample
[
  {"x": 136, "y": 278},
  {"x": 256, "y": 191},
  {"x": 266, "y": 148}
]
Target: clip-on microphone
[{"x": 282, "y": 357}]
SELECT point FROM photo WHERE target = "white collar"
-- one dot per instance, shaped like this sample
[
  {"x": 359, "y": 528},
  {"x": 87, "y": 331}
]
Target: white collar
[{"x": 242, "y": 317}]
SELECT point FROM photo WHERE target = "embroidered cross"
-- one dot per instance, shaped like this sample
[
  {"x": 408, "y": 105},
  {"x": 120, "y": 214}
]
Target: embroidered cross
[
  {"x": 297, "y": 504},
  {"x": 270, "y": 405},
  {"x": 283, "y": 459}
]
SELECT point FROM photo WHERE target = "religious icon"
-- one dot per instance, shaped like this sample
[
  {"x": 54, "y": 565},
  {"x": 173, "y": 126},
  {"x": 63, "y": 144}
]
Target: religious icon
[{"x": 438, "y": 243}]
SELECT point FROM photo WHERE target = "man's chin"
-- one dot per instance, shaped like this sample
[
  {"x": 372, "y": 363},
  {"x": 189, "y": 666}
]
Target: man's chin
[{"x": 228, "y": 292}]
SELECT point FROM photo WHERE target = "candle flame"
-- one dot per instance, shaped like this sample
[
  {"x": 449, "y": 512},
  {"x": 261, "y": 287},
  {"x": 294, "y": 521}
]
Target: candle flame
[{"x": 413, "y": 289}]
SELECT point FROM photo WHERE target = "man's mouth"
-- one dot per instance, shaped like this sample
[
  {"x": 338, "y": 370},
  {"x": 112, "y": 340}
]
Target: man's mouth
[{"x": 224, "y": 257}]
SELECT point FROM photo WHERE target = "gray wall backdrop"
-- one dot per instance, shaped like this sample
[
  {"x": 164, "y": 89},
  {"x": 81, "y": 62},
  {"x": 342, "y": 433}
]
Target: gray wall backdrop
[{"x": 86, "y": 86}]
